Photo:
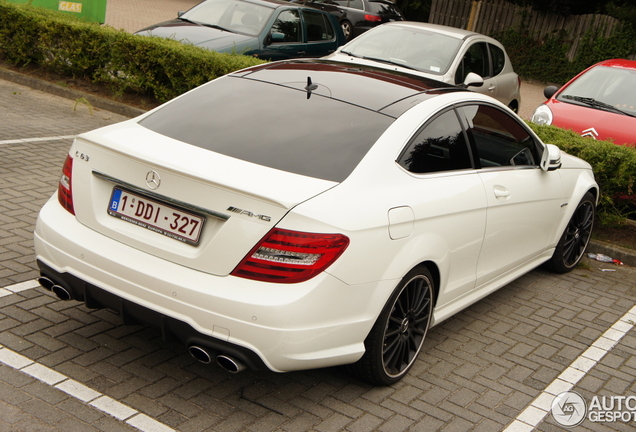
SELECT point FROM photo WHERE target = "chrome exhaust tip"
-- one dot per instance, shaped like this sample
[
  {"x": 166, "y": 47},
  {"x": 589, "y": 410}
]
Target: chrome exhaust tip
[
  {"x": 200, "y": 354},
  {"x": 61, "y": 292},
  {"x": 230, "y": 364},
  {"x": 45, "y": 283}
]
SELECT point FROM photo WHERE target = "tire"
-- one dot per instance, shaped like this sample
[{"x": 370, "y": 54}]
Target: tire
[
  {"x": 397, "y": 336},
  {"x": 347, "y": 29},
  {"x": 575, "y": 238}
]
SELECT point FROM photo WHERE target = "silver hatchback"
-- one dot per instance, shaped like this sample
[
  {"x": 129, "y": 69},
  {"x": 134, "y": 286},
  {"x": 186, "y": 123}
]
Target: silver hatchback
[{"x": 439, "y": 52}]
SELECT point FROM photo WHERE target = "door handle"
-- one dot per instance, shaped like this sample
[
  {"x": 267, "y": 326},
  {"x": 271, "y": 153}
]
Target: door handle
[{"x": 501, "y": 192}]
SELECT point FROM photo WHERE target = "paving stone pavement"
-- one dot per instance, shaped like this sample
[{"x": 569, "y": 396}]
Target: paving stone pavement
[{"x": 478, "y": 371}]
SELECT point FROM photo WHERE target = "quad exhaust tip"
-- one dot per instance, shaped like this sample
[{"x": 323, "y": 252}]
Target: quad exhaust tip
[
  {"x": 61, "y": 292},
  {"x": 46, "y": 283},
  {"x": 230, "y": 364},
  {"x": 200, "y": 354},
  {"x": 225, "y": 361}
]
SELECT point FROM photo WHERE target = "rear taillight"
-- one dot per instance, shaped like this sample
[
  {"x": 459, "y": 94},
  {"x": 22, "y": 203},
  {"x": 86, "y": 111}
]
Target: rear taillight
[
  {"x": 64, "y": 189},
  {"x": 373, "y": 18},
  {"x": 284, "y": 256}
]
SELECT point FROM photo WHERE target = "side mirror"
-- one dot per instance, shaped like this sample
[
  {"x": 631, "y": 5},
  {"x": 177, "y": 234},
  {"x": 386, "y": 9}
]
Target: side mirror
[
  {"x": 549, "y": 91},
  {"x": 551, "y": 159},
  {"x": 180, "y": 13},
  {"x": 473, "y": 80},
  {"x": 277, "y": 37}
]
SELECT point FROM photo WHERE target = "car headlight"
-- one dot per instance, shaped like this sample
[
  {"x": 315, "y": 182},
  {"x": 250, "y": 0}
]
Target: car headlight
[{"x": 542, "y": 115}]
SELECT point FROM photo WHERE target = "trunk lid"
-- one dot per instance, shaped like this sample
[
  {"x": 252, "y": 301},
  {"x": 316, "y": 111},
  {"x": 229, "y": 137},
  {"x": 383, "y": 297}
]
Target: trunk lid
[{"x": 238, "y": 201}]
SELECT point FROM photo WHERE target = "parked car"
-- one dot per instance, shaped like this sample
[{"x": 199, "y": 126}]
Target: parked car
[
  {"x": 439, "y": 52},
  {"x": 269, "y": 29},
  {"x": 304, "y": 214},
  {"x": 358, "y": 16},
  {"x": 599, "y": 103}
]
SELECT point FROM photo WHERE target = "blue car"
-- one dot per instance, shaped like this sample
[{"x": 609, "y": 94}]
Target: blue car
[{"x": 268, "y": 29}]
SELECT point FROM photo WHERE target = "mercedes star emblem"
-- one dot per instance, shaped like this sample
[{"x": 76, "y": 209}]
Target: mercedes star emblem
[{"x": 153, "y": 180}]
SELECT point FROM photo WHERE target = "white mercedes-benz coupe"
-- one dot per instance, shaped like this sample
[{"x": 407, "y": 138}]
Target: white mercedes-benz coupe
[{"x": 310, "y": 213}]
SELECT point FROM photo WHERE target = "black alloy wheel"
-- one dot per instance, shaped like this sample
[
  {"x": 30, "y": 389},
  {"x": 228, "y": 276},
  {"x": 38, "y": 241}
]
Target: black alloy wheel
[
  {"x": 397, "y": 337},
  {"x": 576, "y": 236}
]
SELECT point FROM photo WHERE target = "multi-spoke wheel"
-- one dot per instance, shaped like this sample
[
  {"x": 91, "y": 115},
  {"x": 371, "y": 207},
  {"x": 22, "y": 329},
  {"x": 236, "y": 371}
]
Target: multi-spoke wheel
[
  {"x": 575, "y": 238},
  {"x": 347, "y": 30},
  {"x": 396, "y": 338}
]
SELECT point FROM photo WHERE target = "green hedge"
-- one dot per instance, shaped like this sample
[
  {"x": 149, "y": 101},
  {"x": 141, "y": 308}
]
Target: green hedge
[
  {"x": 614, "y": 168},
  {"x": 66, "y": 45}
]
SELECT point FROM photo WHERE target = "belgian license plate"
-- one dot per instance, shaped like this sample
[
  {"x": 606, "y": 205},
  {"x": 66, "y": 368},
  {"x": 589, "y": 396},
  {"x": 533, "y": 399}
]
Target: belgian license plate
[{"x": 156, "y": 216}]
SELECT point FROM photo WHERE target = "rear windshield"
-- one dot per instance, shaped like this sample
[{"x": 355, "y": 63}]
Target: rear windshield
[
  {"x": 272, "y": 125},
  {"x": 383, "y": 9}
]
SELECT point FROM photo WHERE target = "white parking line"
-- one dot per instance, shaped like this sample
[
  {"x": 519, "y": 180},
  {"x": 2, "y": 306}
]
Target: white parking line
[
  {"x": 73, "y": 388},
  {"x": 541, "y": 406},
  {"x": 30, "y": 140},
  {"x": 18, "y": 287}
]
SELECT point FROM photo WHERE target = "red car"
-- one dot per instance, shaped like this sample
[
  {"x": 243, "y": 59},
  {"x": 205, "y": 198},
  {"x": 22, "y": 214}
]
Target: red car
[{"x": 600, "y": 103}]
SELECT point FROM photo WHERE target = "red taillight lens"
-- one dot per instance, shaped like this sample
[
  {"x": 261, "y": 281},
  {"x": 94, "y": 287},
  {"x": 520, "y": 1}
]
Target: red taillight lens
[
  {"x": 64, "y": 189},
  {"x": 374, "y": 18},
  {"x": 290, "y": 256}
]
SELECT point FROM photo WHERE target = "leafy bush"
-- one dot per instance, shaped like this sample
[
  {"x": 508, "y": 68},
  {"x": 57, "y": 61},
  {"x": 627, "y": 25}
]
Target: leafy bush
[
  {"x": 614, "y": 168},
  {"x": 546, "y": 60},
  {"x": 67, "y": 45}
]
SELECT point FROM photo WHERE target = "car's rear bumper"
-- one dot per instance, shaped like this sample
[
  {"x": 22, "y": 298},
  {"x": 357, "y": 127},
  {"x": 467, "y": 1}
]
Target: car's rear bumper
[{"x": 319, "y": 323}]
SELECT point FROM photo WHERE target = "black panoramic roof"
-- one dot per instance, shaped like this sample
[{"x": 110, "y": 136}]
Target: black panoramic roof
[{"x": 376, "y": 89}]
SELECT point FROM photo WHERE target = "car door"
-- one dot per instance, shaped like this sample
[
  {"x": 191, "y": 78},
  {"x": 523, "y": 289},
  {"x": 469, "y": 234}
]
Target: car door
[
  {"x": 449, "y": 201},
  {"x": 321, "y": 34},
  {"x": 506, "y": 81},
  {"x": 285, "y": 38},
  {"x": 523, "y": 200},
  {"x": 476, "y": 58}
]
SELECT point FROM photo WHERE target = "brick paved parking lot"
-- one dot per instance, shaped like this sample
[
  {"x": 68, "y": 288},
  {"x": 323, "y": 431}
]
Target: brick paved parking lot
[{"x": 498, "y": 364}]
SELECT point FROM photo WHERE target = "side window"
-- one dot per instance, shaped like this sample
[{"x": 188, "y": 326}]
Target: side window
[
  {"x": 288, "y": 23},
  {"x": 439, "y": 146},
  {"x": 498, "y": 59},
  {"x": 356, "y": 4},
  {"x": 475, "y": 60},
  {"x": 318, "y": 27},
  {"x": 499, "y": 139}
]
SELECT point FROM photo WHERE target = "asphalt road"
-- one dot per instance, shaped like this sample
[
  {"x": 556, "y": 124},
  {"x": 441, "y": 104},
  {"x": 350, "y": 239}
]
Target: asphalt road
[{"x": 497, "y": 364}]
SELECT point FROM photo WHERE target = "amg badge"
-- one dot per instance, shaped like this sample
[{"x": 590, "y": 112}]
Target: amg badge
[{"x": 249, "y": 213}]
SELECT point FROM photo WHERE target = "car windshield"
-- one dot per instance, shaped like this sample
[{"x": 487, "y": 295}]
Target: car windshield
[
  {"x": 272, "y": 125},
  {"x": 417, "y": 49},
  {"x": 606, "y": 88},
  {"x": 231, "y": 15}
]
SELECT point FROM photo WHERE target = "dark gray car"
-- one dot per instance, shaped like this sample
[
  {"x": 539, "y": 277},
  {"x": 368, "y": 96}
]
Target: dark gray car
[{"x": 268, "y": 29}]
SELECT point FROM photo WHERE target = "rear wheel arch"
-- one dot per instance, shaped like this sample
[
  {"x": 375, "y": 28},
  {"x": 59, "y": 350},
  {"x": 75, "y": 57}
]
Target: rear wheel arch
[
  {"x": 435, "y": 274},
  {"x": 396, "y": 339}
]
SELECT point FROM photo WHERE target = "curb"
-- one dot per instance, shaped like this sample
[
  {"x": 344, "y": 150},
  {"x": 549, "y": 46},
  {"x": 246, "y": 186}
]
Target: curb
[
  {"x": 68, "y": 93},
  {"x": 627, "y": 256}
]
